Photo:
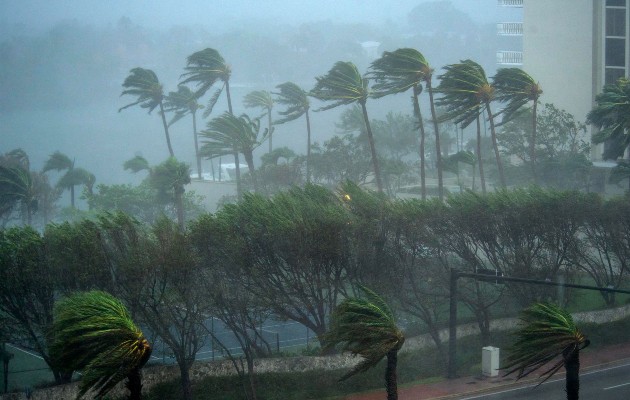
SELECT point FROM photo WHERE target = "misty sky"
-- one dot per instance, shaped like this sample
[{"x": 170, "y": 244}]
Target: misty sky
[{"x": 38, "y": 15}]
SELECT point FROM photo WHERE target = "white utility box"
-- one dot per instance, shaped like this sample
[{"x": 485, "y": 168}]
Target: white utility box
[{"x": 490, "y": 361}]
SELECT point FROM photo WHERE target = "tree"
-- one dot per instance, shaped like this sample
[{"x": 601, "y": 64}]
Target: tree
[
  {"x": 262, "y": 99},
  {"x": 367, "y": 327},
  {"x": 183, "y": 102},
  {"x": 611, "y": 115},
  {"x": 73, "y": 176},
  {"x": 342, "y": 85},
  {"x": 144, "y": 84},
  {"x": 547, "y": 332},
  {"x": 398, "y": 71},
  {"x": 466, "y": 95},
  {"x": 93, "y": 333},
  {"x": 297, "y": 104},
  {"x": 205, "y": 68},
  {"x": 517, "y": 88}
]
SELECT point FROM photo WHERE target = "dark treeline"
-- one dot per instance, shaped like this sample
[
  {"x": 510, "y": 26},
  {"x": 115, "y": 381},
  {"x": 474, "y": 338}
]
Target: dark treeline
[{"x": 297, "y": 254}]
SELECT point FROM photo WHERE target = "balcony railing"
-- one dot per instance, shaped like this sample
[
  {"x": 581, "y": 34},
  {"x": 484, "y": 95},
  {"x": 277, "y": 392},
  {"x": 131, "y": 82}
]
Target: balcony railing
[
  {"x": 510, "y": 28},
  {"x": 510, "y": 57},
  {"x": 511, "y": 3}
]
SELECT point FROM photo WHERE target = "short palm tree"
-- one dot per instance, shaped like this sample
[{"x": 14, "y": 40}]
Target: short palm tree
[
  {"x": 611, "y": 115},
  {"x": 184, "y": 102},
  {"x": 546, "y": 333},
  {"x": 398, "y": 71},
  {"x": 466, "y": 94},
  {"x": 262, "y": 99},
  {"x": 144, "y": 84},
  {"x": 297, "y": 104},
  {"x": 366, "y": 326},
  {"x": 93, "y": 333},
  {"x": 73, "y": 176},
  {"x": 205, "y": 68},
  {"x": 342, "y": 85},
  {"x": 517, "y": 88}
]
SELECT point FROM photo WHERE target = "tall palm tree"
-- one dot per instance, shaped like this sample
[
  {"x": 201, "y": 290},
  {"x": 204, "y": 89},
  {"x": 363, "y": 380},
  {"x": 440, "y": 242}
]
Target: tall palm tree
[
  {"x": 546, "y": 333},
  {"x": 205, "y": 68},
  {"x": 93, "y": 333},
  {"x": 611, "y": 115},
  {"x": 398, "y": 71},
  {"x": 73, "y": 176},
  {"x": 517, "y": 88},
  {"x": 184, "y": 102},
  {"x": 262, "y": 99},
  {"x": 342, "y": 85},
  {"x": 366, "y": 326},
  {"x": 297, "y": 104},
  {"x": 144, "y": 84},
  {"x": 466, "y": 94},
  {"x": 240, "y": 134}
]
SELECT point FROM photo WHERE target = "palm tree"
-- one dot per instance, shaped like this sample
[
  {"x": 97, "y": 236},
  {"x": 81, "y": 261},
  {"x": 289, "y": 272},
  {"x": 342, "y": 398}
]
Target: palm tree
[
  {"x": 611, "y": 116},
  {"x": 237, "y": 134},
  {"x": 144, "y": 84},
  {"x": 547, "y": 332},
  {"x": 183, "y": 102},
  {"x": 297, "y": 104},
  {"x": 466, "y": 95},
  {"x": 73, "y": 176},
  {"x": 366, "y": 326},
  {"x": 206, "y": 67},
  {"x": 93, "y": 333},
  {"x": 398, "y": 71},
  {"x": 343, "y": 85},
  {"x": 262, "y": 99},
  {"x": 517, "y": 88}
]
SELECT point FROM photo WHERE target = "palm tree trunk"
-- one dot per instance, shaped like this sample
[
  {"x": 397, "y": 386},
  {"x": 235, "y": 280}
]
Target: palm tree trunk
[
  {"x": 482, "y": 177},
  {"x": 532, "y": 145},
  {"x": 72, "y": 196},
  {"x": 377, "y": 171},
  {"x": 197, "y": 155},
  {"x": 134, "y": 385},
  {"x": 438, "y": 149},
  {"x": 572, "y": 368},
  {"x": 308, "y": 148},
  {"x": 239, "y": 189},
  {"x": 270, "y": 132},
  {"x": 495, "y": 145},
  {"x": 168, "y": 137},
  {"x": 391, "y": 381},
  {"x": 418, "y": 113},
  {"x": 249, "y": 159},
  {"x": 229, "y": 97}
]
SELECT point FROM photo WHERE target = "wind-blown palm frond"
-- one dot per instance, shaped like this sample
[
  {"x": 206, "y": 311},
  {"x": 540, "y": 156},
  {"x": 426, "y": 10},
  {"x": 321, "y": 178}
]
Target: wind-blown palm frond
[
  {"x": 365, "y": 327},
  {"x": 259, "y": 99},
  {"x": 294, "y": 98},
  {"x": 516, "y": 88},
  {"x": 144, "y": 84},
  {"x": 58, "y": 162},
  {"x": 611, "y": 116},
  {"x": 343, "y": 84},
  {"x": 74, "y": 176},
  {"x": 182, "y": 102},
  {"x": 137, "y": 164},
  {"x": 205, "y": 68},
  {"x": 93, "y": 332},
  {"x": 546, "y": 332},
  {"x": 464, "y": 87},
  {"x": 398, "y": 71}
]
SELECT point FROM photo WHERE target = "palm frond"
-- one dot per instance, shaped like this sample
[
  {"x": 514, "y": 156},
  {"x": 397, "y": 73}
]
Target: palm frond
[
  {"x": 516, "y": 88},
  {"x": 205, "y": 68},
  {"x": 294, "y": 98},
  {"x": 398, "y": 71},
  {"x": 58, "y": 162},
  {"x": 144, "y": 84},
  {"x": 343, "y": 84}
]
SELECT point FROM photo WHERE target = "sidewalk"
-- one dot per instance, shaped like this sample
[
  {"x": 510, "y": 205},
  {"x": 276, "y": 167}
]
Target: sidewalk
[{"x": 475, "y": 385}]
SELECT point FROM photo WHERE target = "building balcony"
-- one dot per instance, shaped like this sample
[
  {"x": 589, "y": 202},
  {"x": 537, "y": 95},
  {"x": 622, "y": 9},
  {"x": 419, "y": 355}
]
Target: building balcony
[
  {"x": 511, "y": 3},
  {"x": 510, "y": 28},
  {"x": 510, "y": 58}
]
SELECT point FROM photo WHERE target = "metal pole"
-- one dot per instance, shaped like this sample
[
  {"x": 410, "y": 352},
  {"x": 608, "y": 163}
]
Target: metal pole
[{"x": 451, "y": 372}]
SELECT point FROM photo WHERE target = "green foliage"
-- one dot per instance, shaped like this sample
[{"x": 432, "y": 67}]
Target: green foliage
[
  {"x": 342, "y": 85},
  {"x": 612, "y": 116},
  {"x": 205, "y": 68},
  {"x": 144, "y": 84},
  {"x": 294, "y": 98},
  {"x": 398, "y": 71},
  {"x": 516, "y": 88},
  {"x": 94, "y": 333}
]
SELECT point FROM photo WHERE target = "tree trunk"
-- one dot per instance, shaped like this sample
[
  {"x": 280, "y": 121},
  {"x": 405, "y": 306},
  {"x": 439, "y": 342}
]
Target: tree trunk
[
  {"x": 269, "y": 129},
  {"x": 184, "y": 372},
  {"x": 391, "y": 380},
  {"x": 239, "y": 189},
  {"x": 377, "y": 171},
  {"x": 532, "y": 148},
  {"x": 179, "y": 205},
  {"x": 418, "y": 113},
  {"x": 134, "y": 385},
  {"x": 249, "y": 158},
  {"x": 229, "y": 96},
  {"x": 572, "y": 367},
  {"x": 308, "y": 149},
  {"x": 197, "y": 155},
  {"x": 482, "y": 177},
  {"x": 168, "y": 137},
  {"x": 495, "y": 145},
  {"x": 438, "y": 148}
]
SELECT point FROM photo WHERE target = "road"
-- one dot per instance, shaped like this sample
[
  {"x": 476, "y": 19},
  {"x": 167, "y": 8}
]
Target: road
[{"x": 611, "y": 383}]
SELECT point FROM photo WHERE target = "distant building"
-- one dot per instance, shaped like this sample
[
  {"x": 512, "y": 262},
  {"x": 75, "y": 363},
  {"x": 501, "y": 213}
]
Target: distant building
[
  {"x": 511, "y": 38},
  {"x": 573, "y": 48}
]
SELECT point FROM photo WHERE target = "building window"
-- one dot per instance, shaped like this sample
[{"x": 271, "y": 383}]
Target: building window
[
  {"x": 615, "y": 52},
  {"x": 615, "y": 3},
  {"x": 616, "y": 22},
  {"x": 613, "y": 75}
]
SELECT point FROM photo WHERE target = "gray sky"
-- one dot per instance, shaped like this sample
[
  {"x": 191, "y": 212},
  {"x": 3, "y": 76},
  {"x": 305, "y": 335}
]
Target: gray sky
[{"x": 37, "y": 15}]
